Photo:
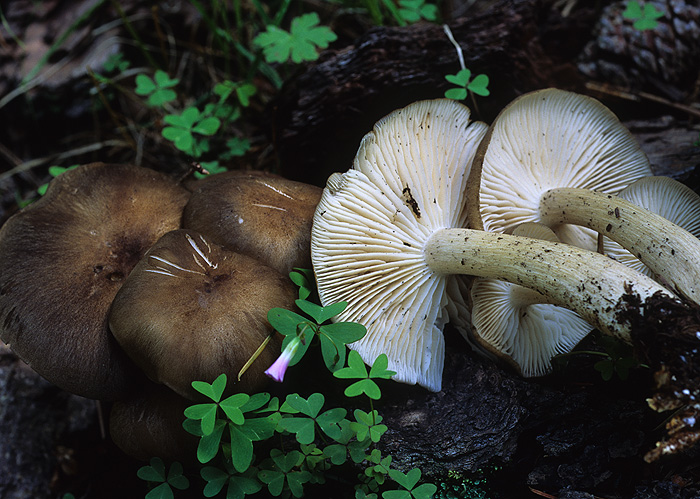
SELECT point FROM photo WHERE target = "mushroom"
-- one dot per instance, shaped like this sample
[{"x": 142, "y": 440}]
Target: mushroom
[
  {"x": 669, "y": 198},
  {"x": 260, "y": 215},
  {"x": 543, "y": 158},
  {"x": 148, "y": 423},
  {"x": 62, "y": 261},
  {"x": 384, "y": 240},
  {"x": 517, "y": 324},
  {"x": 192, "y": 310}
]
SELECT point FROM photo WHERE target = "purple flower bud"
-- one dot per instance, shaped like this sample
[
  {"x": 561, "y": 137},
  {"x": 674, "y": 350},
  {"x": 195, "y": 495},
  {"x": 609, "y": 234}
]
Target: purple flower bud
[{"x": 279, "y": 367}]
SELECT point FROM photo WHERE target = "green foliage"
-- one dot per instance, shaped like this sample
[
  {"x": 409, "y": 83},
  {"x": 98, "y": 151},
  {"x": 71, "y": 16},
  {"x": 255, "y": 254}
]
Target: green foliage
[
  {"x": 463, "y": 79},
  {"x": 357, "y": 370},
  {"x": 185, "y": 127},
  {"x": 619, "y": 358},
  {"x": 229, "y": 427},
  {"x": 54, "y": 171},
  {"x": 116, "y": 63},
  {"x": 645, "y": 18},
  {"x": 164, "y": 482},
  {"x": 158, "y": 89},
  {"x": 412, "y": 11},
  {"x": 299, "y": 44}
]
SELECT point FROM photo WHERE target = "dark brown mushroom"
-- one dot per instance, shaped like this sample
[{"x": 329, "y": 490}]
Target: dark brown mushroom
[
  {"x": 263, "y": 216},
  {"x": 149, "y": 424},
  {"x": 192, "y": 310},
  {"x": 62, "y": 261}
]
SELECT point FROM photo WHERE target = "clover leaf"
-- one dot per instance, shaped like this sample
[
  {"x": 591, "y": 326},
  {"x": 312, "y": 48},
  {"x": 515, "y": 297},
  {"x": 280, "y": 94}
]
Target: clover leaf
[
  {"x": 408, "y": 481},
  {"x": 158, "y": 89},
  {"x": 463, "y": 79},
  {"x": 185, "y": 125},
  {"x": 356, "y": 369},
  {"x": 415, "y": 10},
  {"x": 300, "y": 43},
  {"x": 239, "y": 485},
  {"x": 155, "y": 472},
  {"x": 644, "y": 18}
]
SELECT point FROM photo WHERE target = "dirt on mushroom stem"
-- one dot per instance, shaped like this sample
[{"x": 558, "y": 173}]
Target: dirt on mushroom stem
[{"x": 666, "y": 335}]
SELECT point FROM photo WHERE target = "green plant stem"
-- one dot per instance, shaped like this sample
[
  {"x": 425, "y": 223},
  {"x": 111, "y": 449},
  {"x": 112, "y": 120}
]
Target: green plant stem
[
  {"x": 389, "y": 4},
  {"x": 374, "y": 12},
  {"x": 134, "y": 34},
  {"x": 105, "y": 102}
]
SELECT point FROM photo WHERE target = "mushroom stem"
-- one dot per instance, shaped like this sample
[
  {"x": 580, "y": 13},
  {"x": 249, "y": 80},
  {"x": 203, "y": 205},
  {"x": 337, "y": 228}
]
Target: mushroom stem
[
  {"x": 667, "y": 249},
  {"x": 594, "y": 286}
]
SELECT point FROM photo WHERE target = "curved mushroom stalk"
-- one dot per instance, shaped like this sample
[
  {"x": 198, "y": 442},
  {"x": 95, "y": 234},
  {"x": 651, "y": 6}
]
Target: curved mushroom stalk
[
  {"x": 519, "y": 325},
  {"x": 540, "y": 161},
  {"x": 383, "y": 241},
  {"x": 667, "y": 249}
]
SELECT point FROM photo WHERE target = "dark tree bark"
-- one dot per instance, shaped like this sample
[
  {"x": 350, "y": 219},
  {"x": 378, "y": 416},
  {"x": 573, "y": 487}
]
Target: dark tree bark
[{"x": 321, "y": 116}]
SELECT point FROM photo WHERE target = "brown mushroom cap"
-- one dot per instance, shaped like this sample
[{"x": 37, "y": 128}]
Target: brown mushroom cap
[
  {"x": 263, "y": 216},
  {"x": 192, "y": 310},
  {"x": 149, "y": 424},
  {"x": 62, "y": 261}
]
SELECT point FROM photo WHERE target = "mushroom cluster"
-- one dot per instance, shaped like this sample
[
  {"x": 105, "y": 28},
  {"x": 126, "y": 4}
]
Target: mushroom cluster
[
  {"x": 121, "y": 285},
  {"x": 433, "y": 197}
]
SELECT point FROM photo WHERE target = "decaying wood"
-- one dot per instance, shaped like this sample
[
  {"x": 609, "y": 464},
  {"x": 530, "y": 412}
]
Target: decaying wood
[{"x": 322, "y": 115}]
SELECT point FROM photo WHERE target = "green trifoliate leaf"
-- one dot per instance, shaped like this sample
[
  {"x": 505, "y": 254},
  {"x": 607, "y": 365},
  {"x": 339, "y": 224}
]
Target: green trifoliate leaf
[
  {"x": 232, "y": 407},
  {"x": 344, "y": 332},
  {"x": 406, "y": 480},
  {"x": 415, "y": 10},
  {"x": 204, "y": 412},
  {"x": 329, "y": 422},
  {"x": 285, "y": 321},
  {"x": 300, "y": 43},
  {"x": 366, "y": 387},
  {"x": 154, "y": 472},
  {"x": 311, "y": 406},
  {"x": 479, "y": 85},
  {"x": 318, "y": 313},
  {"x": 356, "y": 367},
  {"x": 303, "y": 428},
  {"x": 461, "y": 79},
  {"x": 209, "y": 444},
  {"x": 379, "y": 368},
  {"x": 241, "y": 449},
  {"x": 214, "y": 390}
]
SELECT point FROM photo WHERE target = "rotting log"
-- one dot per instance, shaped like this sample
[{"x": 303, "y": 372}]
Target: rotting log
[{"x": 322, "y": 114}]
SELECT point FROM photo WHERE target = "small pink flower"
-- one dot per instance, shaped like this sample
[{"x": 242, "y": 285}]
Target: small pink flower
[{"x": 279, "y": 367}]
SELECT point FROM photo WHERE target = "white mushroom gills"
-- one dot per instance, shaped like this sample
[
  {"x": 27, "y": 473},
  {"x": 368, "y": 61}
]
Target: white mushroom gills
[{"x": 384, "y": 239}]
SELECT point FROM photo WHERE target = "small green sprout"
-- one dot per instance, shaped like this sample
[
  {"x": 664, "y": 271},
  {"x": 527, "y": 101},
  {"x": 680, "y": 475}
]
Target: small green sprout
[
  {"x": 300, "y": 44},
  {"x": 412, "y": 11},
  {"x": 284, "y": 473},
  {"x": 243, "y": 91},
  {"x": 408, "y": 481},
  {"x": 158, "y": 89},
  {"x": 54, "y": 171},
  {"x": 155, "y": 472},
  {"x": 463, "y": 79},
  {"x": 357, "y": 370},
  {"x": 185, "y": 125},
  {"x": 619, "y": 359},
  {"x": 235, "y": 147},
  {"x": 116, "y": 63},
  {"x": 644, "y": 18}
]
